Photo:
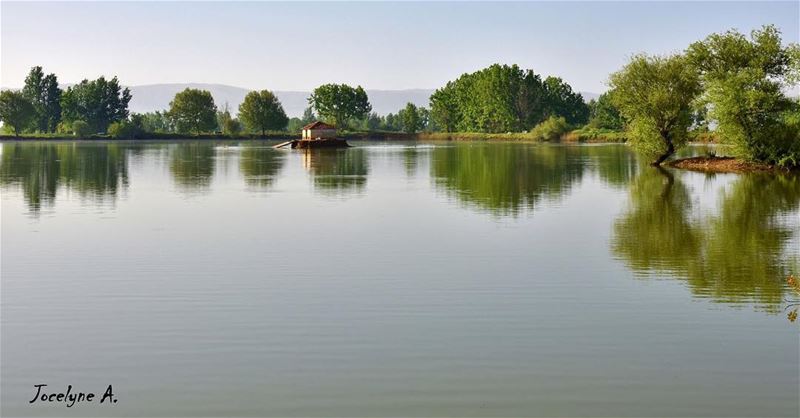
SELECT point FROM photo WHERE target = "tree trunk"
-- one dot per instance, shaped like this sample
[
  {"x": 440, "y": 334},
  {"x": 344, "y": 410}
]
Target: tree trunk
[{"x": 670, "y": 150}]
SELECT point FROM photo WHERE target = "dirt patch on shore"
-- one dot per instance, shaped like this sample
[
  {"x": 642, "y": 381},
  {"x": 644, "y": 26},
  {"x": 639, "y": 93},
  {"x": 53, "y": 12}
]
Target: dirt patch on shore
[{"x": 721, "y": 165}]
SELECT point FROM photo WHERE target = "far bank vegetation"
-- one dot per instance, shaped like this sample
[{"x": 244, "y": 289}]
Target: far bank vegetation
[{"x": 729, "y": 88}]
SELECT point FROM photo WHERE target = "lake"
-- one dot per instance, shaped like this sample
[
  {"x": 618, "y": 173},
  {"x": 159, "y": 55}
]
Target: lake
[{"x": 393, "y": 279}]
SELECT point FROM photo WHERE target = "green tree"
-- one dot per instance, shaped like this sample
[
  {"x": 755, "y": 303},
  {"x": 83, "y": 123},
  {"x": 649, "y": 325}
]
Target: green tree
[
  {"x": 227, "y": 123},
  {"x": 123, "y": 130},
  {"x": 16, "y": 110},
  {"x": 339, "y": 103},
  {"x": 560, "y": 100},
  {"x": 98, "y": 103},
  {"x": 499, "y": 98},
  {"x": 444, "y": 108},
  {"x": 655, "y": 95},
  {"x": 744, "y": 82},
  {"x": 425, "y": 123},
  {"x": 232, "y": 126},
  {"x": 503, "y": 98},
  {"x": 373, "y": 122},
  {"x": 154, "y": 121},
  {"x": 410, "y": 118},
  {"x": 80, "y": 128},
  {"x": 295, "y": 125},
  {"x": 262, "y": 111},
  {"x": 604, "y": 114},
  {"x": 308, "y": 116},
  {"x": 193, "y": 110},
  {"x": 45, "y": 95},
  {"x": 551, "y": 129}
]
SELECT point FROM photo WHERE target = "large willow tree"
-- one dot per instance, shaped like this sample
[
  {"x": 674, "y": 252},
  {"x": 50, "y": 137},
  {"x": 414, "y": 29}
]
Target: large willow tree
[
  {"x": 655, "y": 95},
  {"x": 745, "y": 80}
]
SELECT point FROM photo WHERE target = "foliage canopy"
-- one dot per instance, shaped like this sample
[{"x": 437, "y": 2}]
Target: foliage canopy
[
  {"x": 262, "y": 111},
  {"x": 655, "y": 95},
  {"x": 193, "y": 110}
]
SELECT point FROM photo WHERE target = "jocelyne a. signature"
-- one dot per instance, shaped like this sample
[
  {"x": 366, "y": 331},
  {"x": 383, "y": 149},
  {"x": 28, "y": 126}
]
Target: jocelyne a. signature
[{"x": 69, "y": 398}]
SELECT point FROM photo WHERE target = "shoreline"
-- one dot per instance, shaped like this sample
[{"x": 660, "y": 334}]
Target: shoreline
[
  {"x": 571, "y": 137},
  {"x": 702, "y": 164},
  {"x": 378, "y": 136},
  {"x": 733, "y": 165}
]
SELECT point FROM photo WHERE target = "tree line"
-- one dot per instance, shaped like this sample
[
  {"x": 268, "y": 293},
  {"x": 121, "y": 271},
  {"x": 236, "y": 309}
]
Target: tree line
[
  {"x": 729, "y": 81},
  {"x": 504, "y": 98},
  {"x": 736, "y": 82},
  {"x": 101, "y": 106}
]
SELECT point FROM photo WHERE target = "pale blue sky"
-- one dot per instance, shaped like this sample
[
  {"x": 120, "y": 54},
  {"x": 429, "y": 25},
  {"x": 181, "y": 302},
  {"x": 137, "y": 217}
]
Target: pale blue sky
[{"x": 297, "y": 46}]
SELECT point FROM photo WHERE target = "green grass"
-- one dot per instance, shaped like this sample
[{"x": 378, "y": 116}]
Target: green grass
[
  {"x": 474, "y": 136},
  {"x": 594, "y": 135}
]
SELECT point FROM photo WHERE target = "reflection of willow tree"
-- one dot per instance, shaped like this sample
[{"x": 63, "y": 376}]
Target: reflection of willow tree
[
  {"x": 260, "y": 166},
  {"x": 192, "y": 165},
  {"x": 337, "y": 171},
  {"x": 505, "y": 178},
  {"x": 736, "y": 255},
  {"x": 96, "y": 171},
  {"x": 615, "y": 164}
]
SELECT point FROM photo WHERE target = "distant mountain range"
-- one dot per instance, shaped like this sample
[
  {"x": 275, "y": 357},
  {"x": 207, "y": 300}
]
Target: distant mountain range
[{"x": 152, "y": 97}]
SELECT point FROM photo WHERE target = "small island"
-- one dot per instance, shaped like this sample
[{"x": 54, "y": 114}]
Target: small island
[{"x": 316, "y": 135}]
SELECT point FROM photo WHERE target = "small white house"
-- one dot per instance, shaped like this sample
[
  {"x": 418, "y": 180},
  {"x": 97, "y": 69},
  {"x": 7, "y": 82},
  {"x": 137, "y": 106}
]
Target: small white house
[{"x": 319, "y": 130}]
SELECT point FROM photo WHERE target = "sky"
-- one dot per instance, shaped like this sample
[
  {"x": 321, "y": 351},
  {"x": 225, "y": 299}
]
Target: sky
[{"x": 378, "y": 45}]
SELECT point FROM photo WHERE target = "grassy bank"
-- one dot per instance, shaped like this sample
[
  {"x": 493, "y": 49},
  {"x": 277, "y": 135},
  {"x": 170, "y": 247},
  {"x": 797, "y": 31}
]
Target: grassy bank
[
  {"x": 713, "y": 164},
  {"x": 583, "y": 135},
  {"x": 594, "y": 135},
  {"x": 147, "y": 136},
  {"x": 473, "y": 136}
]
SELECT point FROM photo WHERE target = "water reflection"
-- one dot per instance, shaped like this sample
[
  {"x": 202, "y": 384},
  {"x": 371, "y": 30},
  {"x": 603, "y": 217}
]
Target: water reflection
[
  {"x": 95, "y": 171},
  {"x": 615, "y": 165},
  {"x": 337, "y": 171},
  {"x": 192, "y": 165},
  {"x": 739, "y": 253},
  {"x": 504, "y": 179},
  {"x": 411, "y": 157},
  {"x": 260, "y": 165}
]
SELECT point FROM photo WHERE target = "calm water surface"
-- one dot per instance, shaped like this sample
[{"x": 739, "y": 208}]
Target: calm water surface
[{"x": 390, "y": 279}]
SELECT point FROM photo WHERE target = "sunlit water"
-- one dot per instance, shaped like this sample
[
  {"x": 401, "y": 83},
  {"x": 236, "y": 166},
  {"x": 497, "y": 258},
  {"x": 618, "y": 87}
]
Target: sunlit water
[{"x": 393, "y": 279}]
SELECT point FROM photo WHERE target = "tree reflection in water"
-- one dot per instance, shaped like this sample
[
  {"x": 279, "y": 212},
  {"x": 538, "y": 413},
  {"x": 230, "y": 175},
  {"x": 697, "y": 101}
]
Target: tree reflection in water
[
  {"x": 260, "y": 165},
  {"x": 96, "y": 171},
  {"x": 337, "y": 172},
  {"x": 504, "y": 179},
  {"x": 192, "y": 165},
  {"x": 738, "y": 254}
]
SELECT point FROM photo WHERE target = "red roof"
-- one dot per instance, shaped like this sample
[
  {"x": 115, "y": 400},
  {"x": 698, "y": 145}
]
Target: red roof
[{"x": 318, "y": 125}]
